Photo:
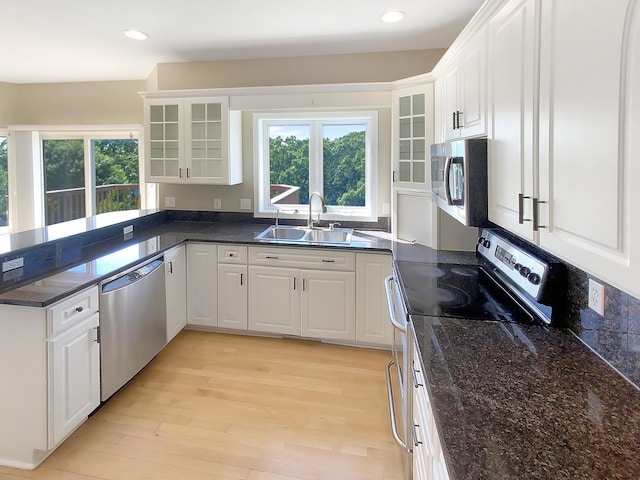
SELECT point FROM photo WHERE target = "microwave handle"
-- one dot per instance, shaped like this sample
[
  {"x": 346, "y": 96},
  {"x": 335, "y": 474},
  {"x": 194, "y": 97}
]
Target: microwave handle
[{"x": 447, "y": 184}]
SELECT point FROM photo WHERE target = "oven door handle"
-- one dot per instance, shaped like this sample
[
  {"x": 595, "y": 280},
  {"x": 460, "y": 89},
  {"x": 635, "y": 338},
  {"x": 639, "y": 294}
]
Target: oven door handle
[
  {"x": 392, "y": 409},
  {"x": 390, "y": 305}
]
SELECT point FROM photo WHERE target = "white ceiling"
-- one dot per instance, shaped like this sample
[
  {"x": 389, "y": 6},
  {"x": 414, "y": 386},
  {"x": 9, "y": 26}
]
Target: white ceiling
[{"x": 82, "y": 40}]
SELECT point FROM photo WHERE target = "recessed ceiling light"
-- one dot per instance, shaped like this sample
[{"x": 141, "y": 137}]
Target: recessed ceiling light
[
  {"x": 392, "y": 16},
  {"x": 136, "y": 35}
]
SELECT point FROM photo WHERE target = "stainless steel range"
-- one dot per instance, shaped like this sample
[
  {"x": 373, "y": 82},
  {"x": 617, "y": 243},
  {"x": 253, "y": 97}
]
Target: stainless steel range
[{"x": 509, "y": 284}]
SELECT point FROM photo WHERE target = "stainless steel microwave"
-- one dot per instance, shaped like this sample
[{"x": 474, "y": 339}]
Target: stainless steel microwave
[{"x": 459, "y": 179}]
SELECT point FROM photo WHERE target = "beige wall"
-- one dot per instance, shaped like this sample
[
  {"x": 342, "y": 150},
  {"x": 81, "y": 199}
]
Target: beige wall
[
  {"x": 200, "y": 197},
  {"x": 79, "y": 103},
  {"x": 321, "y": 69},
  {"x": 8, "y": 101}
]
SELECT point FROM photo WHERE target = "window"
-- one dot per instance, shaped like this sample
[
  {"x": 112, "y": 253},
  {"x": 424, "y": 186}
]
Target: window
[
  {"x": 4, "y": 184},
  {"x": 334, "y": 154},
  {"x": 89, "y": 175}
]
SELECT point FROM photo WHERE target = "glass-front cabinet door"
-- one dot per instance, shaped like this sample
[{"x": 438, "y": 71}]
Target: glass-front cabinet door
[
  {"x": 206, "y": 131},
  {"x": 164, "y": 137},
  {"x": 413, "y": 118}
]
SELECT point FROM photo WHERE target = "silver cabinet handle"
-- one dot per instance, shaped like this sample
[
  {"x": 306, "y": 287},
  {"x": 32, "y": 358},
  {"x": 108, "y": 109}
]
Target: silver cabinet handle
[
  {"x": 241, "y": 279},
  {"x": 521, "y": 218},
  {"x": 170, "y": 267},
  {"x": 392, "y": 409},
  {"x": 96, "y": 334},
  {"x": 187, "y": 172},
  {"x": 294, "y": 282},
  {"x": 328, "y": 261},
  {"x": 536, "y": 214},
  {"x": 271, "y": 257},
  {"x": 390, "y": 305},
  {"x": 180, "y": 172},
  {"x": 415, "y": 378}
]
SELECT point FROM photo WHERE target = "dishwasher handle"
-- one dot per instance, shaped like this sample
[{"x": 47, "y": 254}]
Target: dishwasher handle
[{"x": 132, "y": 276}]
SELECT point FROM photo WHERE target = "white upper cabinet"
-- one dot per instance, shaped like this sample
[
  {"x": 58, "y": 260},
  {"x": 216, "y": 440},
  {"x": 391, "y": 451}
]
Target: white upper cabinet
[
  {"x": 463, "y": 96},
  {"x": 512, "y": 113},
  {"x": 589, "y": 108},
  {"x": 194, "y": 140},
  {"x": 413, "y": 128}
]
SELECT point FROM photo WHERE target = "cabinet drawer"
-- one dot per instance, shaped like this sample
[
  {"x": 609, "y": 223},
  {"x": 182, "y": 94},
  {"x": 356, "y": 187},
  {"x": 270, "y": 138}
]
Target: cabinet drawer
[
  {"x": 232, "y": 254},
  {"x": 319, "y": 259},
  {"x": 72, "y": 310}
]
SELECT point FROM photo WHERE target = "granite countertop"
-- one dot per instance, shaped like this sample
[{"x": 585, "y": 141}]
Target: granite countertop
[
  {"x": 527, "y": 402},
  {"x": 97, "y": 262}
]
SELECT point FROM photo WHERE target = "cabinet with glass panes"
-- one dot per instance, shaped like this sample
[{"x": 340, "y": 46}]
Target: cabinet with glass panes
[
  {"x": 413, "y": 135},
  {"x": 193, "y": 140}
]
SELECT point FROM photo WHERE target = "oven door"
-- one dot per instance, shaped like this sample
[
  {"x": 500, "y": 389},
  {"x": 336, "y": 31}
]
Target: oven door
[{"x": 399, "y": 320}]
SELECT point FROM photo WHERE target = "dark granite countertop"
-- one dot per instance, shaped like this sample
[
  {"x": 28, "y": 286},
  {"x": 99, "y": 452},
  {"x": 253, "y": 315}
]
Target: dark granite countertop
[
  {"x": 99, "y": 261},
  {"x": 527, "y": 402}
]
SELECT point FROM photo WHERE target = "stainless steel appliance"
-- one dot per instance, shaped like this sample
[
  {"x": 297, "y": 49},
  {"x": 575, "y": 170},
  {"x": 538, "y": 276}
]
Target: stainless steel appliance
[
  {"x": 133, "y": 323},
  {"x": 459, "y": 180},
  {"x": 509, "y": 284}
]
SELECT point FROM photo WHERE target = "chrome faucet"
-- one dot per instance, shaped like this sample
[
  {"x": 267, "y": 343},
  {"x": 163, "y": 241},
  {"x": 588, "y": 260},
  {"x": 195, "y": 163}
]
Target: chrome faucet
[{"x": 310, "y": 222}]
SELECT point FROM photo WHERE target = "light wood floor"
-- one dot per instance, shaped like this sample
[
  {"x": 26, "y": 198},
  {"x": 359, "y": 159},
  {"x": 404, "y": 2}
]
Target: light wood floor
[{"x": 215, "y": 406}]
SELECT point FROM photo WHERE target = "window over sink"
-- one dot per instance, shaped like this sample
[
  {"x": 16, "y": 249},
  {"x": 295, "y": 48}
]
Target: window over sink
[{"x": 333, "y": 153}]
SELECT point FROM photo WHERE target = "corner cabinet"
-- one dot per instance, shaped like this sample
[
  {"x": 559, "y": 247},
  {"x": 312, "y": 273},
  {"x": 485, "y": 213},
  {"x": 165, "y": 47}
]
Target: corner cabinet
[
  {"x": 462, "y": 92},
  {"x": 192, "y": 140},
  {"x": 373, "y": 326}
]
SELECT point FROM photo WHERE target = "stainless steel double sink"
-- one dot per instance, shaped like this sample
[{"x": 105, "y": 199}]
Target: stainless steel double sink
[{"x": 292, "y": 234}]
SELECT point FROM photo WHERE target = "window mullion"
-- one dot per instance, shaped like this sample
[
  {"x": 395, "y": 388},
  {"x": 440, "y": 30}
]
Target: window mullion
[
  {"x": 89, "y": 177},
  {"x": 315, "y": 157}
]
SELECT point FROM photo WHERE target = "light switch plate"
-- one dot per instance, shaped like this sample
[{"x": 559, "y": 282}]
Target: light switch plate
[
  {"x": 169, "y": 201},
  {"x": 245, "y": 204}
]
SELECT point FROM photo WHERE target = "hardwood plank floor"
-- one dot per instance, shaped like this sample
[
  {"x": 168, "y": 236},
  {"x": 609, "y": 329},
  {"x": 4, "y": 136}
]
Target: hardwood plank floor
[{"x": 216, "y": 406}]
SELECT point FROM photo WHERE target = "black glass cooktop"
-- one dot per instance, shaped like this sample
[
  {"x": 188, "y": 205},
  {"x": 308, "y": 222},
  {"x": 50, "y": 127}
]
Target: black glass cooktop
[{"x": 458, "y": 291}]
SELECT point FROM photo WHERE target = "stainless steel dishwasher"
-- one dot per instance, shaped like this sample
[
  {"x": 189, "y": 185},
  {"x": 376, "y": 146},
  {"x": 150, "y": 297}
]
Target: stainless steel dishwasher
[{"x": 133, "y": 323}]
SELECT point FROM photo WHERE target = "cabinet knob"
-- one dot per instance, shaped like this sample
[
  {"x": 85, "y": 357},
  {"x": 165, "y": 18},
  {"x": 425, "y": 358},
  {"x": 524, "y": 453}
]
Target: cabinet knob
[{"x": 79, "y": 309}]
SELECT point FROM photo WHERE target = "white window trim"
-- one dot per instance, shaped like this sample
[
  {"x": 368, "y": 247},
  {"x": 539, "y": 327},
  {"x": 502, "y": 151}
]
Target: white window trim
[
  {"x": 262, "y": 205},
  {"x": 11, "y": 182}
]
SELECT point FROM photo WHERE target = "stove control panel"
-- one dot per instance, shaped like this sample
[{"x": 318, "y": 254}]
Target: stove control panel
[{"x": 522, "y": 268}]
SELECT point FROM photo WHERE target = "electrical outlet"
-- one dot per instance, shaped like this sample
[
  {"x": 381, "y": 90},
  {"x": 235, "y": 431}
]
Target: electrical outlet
[
  {"x": 127, "y": 229},
  {"x": 596, "y": 296},
  {"x": 169, "y": 201},
  {"x": 12, "y": 264},
  {"x": 245, "y": 204},
  {"x": 385, "y": 208},
  {"x": 217, "y": 203}
]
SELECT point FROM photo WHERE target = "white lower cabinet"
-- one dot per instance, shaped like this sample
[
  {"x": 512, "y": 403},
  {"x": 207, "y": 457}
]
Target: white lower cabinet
[
  {"x": 372, "y": 315},
  {"x": 232, "y": 295},
  {"x": 316, "y": 301},
  {"x": 175, "y": 274},
  {"x": 50, "y": 375},
  {"x": 327, "y": 305},
  {"x": 274, "y": 301},
  {"x": 202, "y": 284},
  {"x": 428, "y": 457},
  {"x": 74, "y": 373}
]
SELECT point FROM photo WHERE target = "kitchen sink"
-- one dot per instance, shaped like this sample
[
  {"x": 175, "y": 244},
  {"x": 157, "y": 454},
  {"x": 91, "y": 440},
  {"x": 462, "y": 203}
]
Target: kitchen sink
[{"x": 291, "y": 234}]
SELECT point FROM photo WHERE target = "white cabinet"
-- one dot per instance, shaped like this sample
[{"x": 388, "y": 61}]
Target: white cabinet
[
  {"x": 412, "y": 133},
  {"x": 428, "y": 456},
  {"x": 274, "y": 300},
  {"x": 372, "y": 316},
  {"x": 232, "y": 287},
  {"x": 308, "y": 292},
  {"x": 193, "y": 140},
  {"x": 327, "y": 305},
  {"x": 463, "y": 95},
  {"x": 202, "y": 284},
  {"x": 560, "y": 161},
  {"x": 50, "y": 375},
  {"x": 175, "y": 274},
  {"x": 512, "y": 115},
  {"x": 74, "y": 372},
  {"x": 589, "y": 124}
]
